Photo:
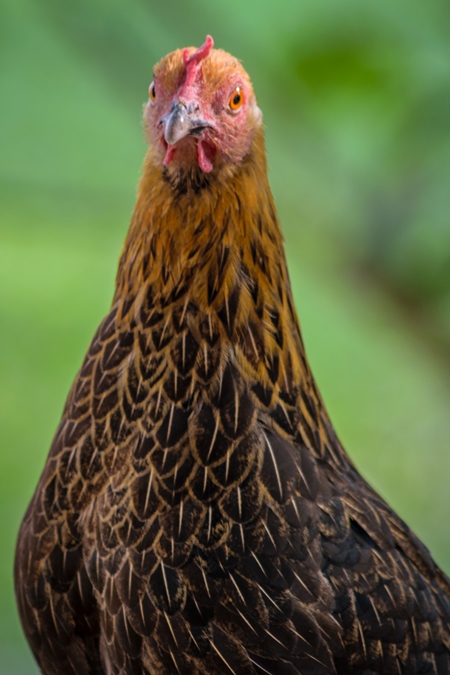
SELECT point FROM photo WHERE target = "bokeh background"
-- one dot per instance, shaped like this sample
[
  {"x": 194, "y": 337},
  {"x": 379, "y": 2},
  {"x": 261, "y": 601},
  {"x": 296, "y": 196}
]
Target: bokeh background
[{"x": 356, "y": 101}]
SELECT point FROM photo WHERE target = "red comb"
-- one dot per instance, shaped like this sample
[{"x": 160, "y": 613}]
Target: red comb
[
  {"x": 191, "y": 62},
  {"x": 201, "y": 53}
]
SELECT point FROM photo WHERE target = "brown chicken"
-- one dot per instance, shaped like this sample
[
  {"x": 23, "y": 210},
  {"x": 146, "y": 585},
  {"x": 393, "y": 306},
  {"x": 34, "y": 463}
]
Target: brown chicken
[{"x": 197, "y": 513}]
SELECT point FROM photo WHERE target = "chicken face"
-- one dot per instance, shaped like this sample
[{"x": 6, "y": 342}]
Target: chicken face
[{"x": 202, "y": 112}]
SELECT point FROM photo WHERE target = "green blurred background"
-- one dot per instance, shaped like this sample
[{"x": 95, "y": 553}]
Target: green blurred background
[{"x": 356, "y": 101}]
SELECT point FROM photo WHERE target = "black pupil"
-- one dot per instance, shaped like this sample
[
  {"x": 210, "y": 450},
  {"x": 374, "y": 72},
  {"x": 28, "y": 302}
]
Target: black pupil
[
  {"x": 236, "y": 99},
  {"x": 153, "y": 91}
]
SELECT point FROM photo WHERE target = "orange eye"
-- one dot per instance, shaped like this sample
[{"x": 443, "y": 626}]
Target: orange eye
[
  {"x": 236, "y": 99},
  {"x": 152, "y": 92}
]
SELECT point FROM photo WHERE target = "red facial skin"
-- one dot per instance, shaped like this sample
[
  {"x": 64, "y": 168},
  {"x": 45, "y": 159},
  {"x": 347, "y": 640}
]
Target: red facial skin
[{"x": 204, "y": 80}]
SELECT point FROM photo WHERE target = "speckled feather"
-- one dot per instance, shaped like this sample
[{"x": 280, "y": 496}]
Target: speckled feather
[{"x": 197, "y": 514}]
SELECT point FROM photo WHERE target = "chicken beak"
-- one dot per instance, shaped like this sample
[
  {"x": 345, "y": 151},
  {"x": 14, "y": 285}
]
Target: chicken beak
[{"x": 179, "y": 123}]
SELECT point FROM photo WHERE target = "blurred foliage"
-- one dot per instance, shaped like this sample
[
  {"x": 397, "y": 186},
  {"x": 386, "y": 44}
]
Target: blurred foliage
[{"x": 356, "y": 99}]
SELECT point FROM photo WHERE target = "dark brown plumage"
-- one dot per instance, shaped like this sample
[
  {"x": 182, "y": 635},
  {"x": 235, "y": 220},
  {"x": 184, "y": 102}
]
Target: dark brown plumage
[{"x": 197, "y": 514}]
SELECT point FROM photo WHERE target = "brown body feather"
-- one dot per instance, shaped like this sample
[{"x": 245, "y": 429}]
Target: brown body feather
[{"x": 197, "y": 514}]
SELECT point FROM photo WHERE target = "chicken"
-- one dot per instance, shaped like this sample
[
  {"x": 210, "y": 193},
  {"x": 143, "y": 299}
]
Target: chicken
[{"x": 197, "y": 513}]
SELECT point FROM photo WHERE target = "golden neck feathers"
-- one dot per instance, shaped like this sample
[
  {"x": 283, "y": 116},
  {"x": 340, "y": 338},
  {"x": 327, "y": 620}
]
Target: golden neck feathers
[{"x": 205, "y": 261}]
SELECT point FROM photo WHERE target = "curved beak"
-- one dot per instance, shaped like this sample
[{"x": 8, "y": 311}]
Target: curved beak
[{"x": 180, "y": 122}]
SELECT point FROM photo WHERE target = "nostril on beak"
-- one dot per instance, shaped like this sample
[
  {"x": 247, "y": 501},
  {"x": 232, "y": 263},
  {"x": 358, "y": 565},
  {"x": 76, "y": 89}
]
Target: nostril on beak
[{"x": 193, "y": 108}]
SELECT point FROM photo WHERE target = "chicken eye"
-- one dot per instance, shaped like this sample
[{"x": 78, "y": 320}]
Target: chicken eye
[
  {"x": 152, "y": 92},
  {"x": 236, "y": 99}
]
